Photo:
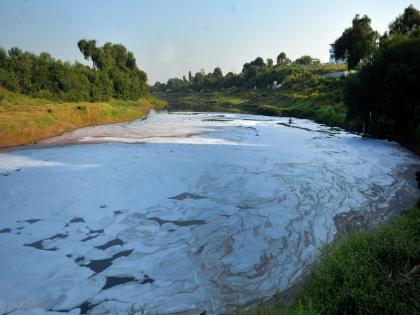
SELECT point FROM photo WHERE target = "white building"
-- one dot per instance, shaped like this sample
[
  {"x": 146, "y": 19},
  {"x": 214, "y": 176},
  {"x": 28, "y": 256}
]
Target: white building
[{"x": 332, "y": 57}]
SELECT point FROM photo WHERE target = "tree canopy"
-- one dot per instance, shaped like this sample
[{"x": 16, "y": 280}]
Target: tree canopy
[
  {"x": 356, "y": 42},
  {"x": 282, "y": 58},
  {"x": 383, "y": 99},
  {"x": 407, "y": 22},
  {"x": 304, "y": 60},
  {"x": 114, "y": 74}
]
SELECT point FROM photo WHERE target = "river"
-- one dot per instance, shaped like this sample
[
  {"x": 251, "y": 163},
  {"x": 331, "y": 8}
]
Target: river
[{"x": 185, "y": 212}]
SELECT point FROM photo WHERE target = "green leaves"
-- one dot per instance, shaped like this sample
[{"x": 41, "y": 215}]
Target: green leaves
[
  {"x": 114, "y": 74},
  {"x": 356, "y": 42}
]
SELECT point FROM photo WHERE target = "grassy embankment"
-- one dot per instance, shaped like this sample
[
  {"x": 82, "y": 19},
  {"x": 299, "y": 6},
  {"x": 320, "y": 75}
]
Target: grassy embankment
[
  {"x": 25, "y": 119},
  {"x": 306, "y": 96},
  {"x": 374, "y": 272}
]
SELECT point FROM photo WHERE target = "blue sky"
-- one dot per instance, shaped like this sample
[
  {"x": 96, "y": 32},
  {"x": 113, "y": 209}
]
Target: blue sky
[{"x": 170, "y": 37}]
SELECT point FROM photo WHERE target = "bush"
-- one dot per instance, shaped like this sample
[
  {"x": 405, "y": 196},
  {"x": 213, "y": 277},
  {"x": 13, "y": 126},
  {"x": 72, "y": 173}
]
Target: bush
[{"x": 377, "y": 272}]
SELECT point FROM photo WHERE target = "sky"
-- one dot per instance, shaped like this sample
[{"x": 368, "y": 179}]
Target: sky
[{"x": 171, "y": 37}]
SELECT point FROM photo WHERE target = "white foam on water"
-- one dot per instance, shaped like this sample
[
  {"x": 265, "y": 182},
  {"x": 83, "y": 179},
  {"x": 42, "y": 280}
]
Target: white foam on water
[{"x": 181, "y": 212}]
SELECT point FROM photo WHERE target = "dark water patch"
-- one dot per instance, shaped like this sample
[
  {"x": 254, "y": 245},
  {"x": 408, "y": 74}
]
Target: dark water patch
[
  {"x": 30, "y": 221},
  {"x": 77, "y": 220},
  {"x": 93, "y": 234},
  {"x": 245, "y": 206},
  {"x": 179, "y": 223},
  {"x": 330, "y": 132},
  {"x": 79, "y": 259},
  {"x": 5, "y": 174},
  {"x": 418, "y": 179},
  {"x": 38, "y": 244},
  {"x": 6, "y": 230},
  {"x": 85, "y": 307},
  {"x": 59, "y": 235},
  {"x": 18, "y": 169},
  {"x": 90, "y": 237},
  {"x": 297, "y": 127},
  {"x": 217, "y": 119},
  {"x": 200, "y": 249},
  {"x": 111, "y": 243},
  {"x": 124, "y": 253},
  {"x": 118, "y": 212},
  {"x": 102, "y": 207},
  {"x": 113, "y": 281},
  {"x": 100, "y": 265},
  {"x": 96, "y": 231},
  {"x": 187, "y": 195},
  {"x": 147, "y": 279}
]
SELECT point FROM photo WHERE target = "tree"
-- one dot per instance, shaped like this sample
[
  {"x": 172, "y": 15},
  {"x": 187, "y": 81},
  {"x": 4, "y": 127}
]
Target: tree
[
  {"x": 407, "y": 22},
  {"x": 217, "y": 73},
  {"x": 270, "y": 62},
  {"x": 3, "y": 56},
  {"x": 358, "y": 41},
  {"x": 190, "y": 77},
  {"x": 198, "y": 77},
  {"x": 259, "y": 62},
  {"x": 282, "y": 58},
  {"x": 383, "y": 98},
  {"x": 304, "y": 60},
  {"x": 114, "y": 74},
  {"x": 87, "y": 48}
]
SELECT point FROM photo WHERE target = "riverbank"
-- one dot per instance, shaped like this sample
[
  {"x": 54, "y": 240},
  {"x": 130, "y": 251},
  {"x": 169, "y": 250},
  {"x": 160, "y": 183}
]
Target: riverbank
[
  {"x": 311, "y": 97},
  {"x": 322, "y": 106},
  {"x": 25, "y": 119},
  {"x": 364, "y": 273}
]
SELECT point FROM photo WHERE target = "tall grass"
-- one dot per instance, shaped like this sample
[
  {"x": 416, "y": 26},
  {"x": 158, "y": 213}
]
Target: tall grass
[{"x": 24, "y": 119}]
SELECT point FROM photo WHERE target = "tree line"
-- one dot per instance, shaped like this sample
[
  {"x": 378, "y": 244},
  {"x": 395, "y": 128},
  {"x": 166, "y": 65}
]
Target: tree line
[
  {"x": 383, "y": 97},
  {"x": 258, "y": 73},
  {"x": 114, "y": 74}
]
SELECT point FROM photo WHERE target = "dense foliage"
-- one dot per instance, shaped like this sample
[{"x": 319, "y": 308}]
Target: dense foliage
[
  {"x": 356, "y": 42},
  {"x": 384, "y": 97},
  {"x": 114, "y": 74},
  {"x": 407, "y": 22},
  {"x": 255, "y": 74}
]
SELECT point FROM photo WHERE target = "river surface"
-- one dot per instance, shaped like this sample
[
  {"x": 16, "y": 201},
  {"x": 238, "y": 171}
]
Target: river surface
[{"x": 184, "y": 212}]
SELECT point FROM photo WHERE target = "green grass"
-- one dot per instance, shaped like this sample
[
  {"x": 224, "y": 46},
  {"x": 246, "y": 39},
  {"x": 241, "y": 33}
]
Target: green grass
[
  {"x": 25, "y": 119},
  {"x": 375, "y": 272},
  {"x": 303, "y": 96}
]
